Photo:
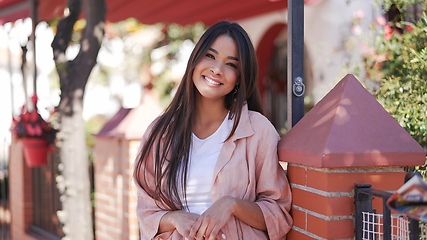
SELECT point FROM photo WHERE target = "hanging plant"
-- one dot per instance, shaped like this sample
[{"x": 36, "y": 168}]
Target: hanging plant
[{"x": 37, "y": 135}]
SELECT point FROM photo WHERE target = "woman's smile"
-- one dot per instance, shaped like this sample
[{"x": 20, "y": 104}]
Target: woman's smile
[{"x": 211, "y": 81}]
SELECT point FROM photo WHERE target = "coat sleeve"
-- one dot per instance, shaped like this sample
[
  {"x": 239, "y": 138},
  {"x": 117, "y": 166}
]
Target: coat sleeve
[
  {"x": 273, "y": 191},
  {"x": 149, "y": 216},
  {"x": 147, "y": 211}
]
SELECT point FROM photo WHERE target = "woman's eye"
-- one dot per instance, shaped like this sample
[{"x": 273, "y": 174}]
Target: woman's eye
[
  {"x": 210, "y": 55},
  {"x": 232, "y": 65}
]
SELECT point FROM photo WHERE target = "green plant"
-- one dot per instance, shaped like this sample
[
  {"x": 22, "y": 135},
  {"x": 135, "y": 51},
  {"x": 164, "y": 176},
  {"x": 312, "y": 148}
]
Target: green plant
[{"x": 401, "y": 73}]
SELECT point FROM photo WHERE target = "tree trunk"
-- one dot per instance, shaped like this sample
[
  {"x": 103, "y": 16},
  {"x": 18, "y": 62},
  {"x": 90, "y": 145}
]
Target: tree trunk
[{"x": 74, "y": 184}]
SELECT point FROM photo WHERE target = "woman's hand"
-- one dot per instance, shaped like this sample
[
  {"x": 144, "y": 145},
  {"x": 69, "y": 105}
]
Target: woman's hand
[
  {"x": 182, "y": 221},
  {"x": 208, "y": 226},
  {"x": 210, "y": 223}
]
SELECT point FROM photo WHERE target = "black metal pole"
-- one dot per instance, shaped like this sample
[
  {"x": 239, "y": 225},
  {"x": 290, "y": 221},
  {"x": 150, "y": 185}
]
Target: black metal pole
[
  {"x": 24, "y": 72},
  {"x": 296, "y": 87},
  {"x": 414, "y": 225},
  {"x": 414, "y": 229},
  {"x": 33, "y": 7},
  {"x": 9, "y": 66},
  {"x": 363, "y": 203},
  {"x": 387, "y": 221}
]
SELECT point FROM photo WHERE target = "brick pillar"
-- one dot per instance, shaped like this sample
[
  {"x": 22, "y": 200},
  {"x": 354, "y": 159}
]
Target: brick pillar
[
  {"x": 346, "y": 139},
  {"x": 115, "y": 196},
  {"x": 116, "y": 148},
  {"x": 21, "y": 193}
]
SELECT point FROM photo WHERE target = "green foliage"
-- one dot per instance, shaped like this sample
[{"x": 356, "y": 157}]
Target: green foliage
[
  {"x": 174, "y": 36},
  {"x": 403, "y": 90},
  {"x": 148, "y": 47},
  {"x": 402, "y": 76},
  {"x": 400, "y": 4},
  {"x": 93, "y": 126}
]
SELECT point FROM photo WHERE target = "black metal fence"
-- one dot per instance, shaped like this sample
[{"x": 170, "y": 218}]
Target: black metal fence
[
  {"x": 46, "y": 199},
  {"x": 366, "y": 225},
  {"x": 5, "y": 215}
]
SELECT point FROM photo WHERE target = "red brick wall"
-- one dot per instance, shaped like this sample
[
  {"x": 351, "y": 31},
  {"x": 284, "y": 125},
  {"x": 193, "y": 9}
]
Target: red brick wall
[
  {"x": 21, "y": 193},
  {"x": 323, "y": 199},
  {"x": 115, "y": 196}
]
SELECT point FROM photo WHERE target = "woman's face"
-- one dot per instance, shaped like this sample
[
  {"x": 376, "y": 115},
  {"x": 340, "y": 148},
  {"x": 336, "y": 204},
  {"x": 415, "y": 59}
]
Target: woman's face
[{"x": 217, "y": 73}]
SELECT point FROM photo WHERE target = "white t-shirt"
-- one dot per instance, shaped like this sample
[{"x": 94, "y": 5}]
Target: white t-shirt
[{"x": 203, "y": 157}]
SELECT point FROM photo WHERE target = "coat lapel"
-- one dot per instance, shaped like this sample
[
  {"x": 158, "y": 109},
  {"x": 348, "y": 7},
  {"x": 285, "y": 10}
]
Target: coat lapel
[{"x": 244, "y": 129}]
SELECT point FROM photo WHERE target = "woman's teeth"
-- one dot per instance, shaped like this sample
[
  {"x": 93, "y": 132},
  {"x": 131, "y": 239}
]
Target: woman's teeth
[{"x": 211, "y": 81}]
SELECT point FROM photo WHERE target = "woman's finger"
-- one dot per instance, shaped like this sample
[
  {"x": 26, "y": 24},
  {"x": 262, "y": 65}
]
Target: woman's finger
[
  {"x": 194, "y": 229},
  {"x": 216, "y": 234},
  {"x": 201, "y": 232}
]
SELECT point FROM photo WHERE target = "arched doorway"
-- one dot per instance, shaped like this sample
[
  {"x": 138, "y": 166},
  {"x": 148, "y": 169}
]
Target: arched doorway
[{"x": 272, "y": 53}]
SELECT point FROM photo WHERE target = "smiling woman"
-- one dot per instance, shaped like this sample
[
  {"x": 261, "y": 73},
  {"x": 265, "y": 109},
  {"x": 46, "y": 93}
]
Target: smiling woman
[{"x": 208, "y": 167}]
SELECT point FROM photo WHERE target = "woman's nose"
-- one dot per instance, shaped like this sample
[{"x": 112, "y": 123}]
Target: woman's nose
[{"x": 216, "y": 68}]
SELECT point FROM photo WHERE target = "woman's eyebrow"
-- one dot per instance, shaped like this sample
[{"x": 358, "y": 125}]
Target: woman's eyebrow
[{"x": 229, "y": 57}]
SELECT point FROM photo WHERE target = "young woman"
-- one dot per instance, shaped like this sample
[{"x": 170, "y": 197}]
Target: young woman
[{"x": 208, "y": 167}]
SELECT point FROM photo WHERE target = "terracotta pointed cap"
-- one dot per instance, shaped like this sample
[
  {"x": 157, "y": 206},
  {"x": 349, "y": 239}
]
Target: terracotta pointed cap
[{"x": 349, "y": 128}]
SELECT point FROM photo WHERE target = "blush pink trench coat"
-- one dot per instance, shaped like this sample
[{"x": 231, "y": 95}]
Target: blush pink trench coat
[{"x": 248, "y": 169}]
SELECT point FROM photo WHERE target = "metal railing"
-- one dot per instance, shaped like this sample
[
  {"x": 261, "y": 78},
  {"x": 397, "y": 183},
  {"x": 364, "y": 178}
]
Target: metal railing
[
  {"x": 46, "y": 200},
  {"x": 5, "y": 215},
  {"x": 370, "y": 225}
]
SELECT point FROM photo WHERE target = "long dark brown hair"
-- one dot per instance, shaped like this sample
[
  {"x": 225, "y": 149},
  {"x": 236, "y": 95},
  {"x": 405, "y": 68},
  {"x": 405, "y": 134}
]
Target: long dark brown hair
[{"x": 170, "y": 139}]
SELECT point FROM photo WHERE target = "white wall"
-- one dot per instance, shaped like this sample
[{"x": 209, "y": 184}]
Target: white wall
[
  {"x": 328, "y": 37},
  {"x": 331, "y": 42}
]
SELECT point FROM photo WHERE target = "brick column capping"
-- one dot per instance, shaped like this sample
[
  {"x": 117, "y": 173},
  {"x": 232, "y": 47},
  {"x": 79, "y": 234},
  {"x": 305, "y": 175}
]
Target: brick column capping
[
  {"x": 347, "y": 138},
  {"x": 116, "y": 148}
]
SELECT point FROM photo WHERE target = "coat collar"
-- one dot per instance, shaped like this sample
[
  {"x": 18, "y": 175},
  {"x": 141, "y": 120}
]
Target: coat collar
[{"x": 244, "y": 128}]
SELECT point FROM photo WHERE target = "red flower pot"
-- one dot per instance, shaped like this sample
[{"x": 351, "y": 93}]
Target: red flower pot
[{"x": 35, "y": 151}]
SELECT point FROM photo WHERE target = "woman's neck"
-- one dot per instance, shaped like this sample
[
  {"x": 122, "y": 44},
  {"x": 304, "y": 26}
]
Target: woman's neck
[{"x": 208, "y": 117}]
